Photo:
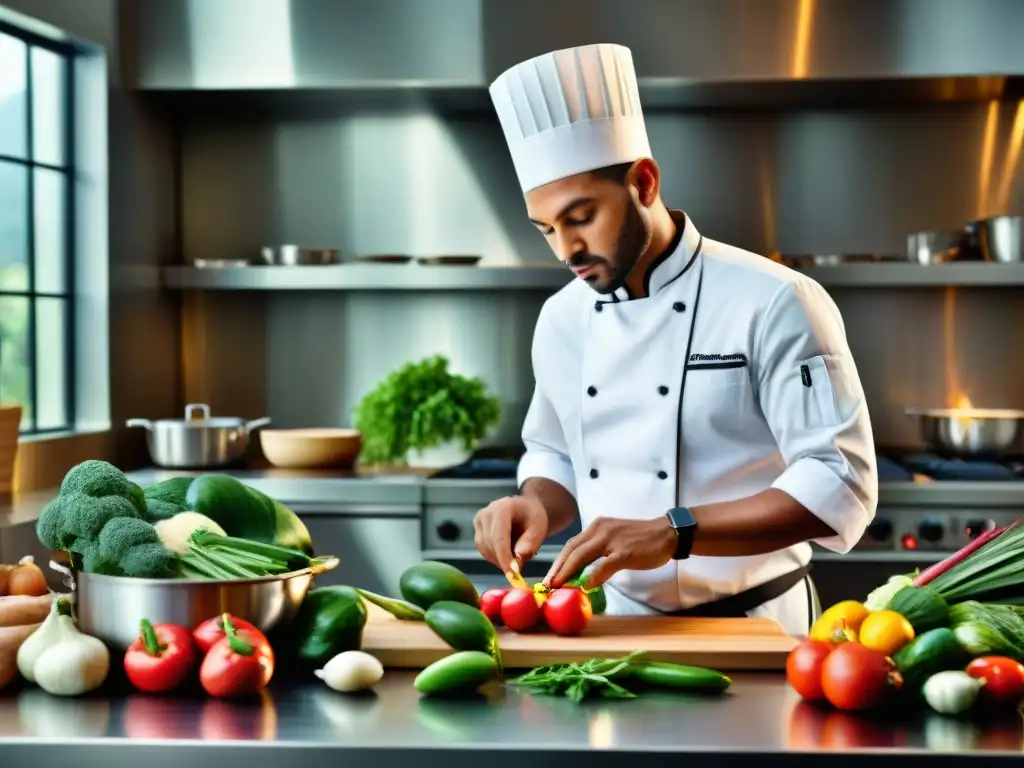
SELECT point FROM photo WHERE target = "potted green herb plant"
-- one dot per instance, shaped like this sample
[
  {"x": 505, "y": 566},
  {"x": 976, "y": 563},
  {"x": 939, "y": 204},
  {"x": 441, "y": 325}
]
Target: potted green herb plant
[{"x": 423, "y": 415}]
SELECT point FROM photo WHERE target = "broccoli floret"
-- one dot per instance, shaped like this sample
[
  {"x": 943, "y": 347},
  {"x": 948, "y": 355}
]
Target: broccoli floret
[
  {"x": 133, "y": 547},
  {"x": 93, "y": 561},
  {"x": 162, "y": 510},
  {"x": 100, "y": 478},
  {"x": 73, "y": 520}
]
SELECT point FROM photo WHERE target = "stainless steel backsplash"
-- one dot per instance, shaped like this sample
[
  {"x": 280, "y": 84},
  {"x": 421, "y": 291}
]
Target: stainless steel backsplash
[{"x": 421, "y": 183}]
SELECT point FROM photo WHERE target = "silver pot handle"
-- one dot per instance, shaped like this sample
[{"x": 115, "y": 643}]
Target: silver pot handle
[
  {"x": 139, "y": 423},
  {"x": 69, "y": 576},
  {"x": 192, "y": 408},
  {"x": 256, "y": 424}
]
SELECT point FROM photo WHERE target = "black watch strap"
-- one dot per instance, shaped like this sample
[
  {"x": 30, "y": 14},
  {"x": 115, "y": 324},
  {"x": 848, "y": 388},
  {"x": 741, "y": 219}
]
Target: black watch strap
[{"x": 682, "y": 522}]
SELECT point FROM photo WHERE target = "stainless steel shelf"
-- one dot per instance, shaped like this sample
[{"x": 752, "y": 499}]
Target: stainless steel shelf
[
  {"x": 412, "y": 277},
  {"x": 367, "y": 277}
]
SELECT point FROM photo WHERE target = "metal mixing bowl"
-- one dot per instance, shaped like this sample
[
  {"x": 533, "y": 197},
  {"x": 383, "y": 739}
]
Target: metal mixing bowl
[
  {"x": 111, "y": 607},
  {"x": 970, "y": 433}
]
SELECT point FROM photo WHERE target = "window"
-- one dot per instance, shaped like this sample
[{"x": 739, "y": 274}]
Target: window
[{"x": 36, "y": 225}]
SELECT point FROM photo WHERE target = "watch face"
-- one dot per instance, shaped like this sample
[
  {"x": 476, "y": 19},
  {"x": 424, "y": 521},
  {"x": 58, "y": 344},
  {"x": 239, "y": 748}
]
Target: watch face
[{"x": 681, "y": 517}]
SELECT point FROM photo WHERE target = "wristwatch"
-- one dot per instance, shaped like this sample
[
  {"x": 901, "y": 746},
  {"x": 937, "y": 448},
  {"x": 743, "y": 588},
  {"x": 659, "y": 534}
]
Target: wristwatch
[{"x": 682, "y": 522}]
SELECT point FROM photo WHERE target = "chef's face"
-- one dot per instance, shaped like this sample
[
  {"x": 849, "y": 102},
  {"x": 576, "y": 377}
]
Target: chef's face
[{"x": 596, "y": 223}]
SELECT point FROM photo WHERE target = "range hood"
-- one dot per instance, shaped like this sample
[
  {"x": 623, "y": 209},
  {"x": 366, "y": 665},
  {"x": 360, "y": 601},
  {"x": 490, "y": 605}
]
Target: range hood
[{"x": 683, "y": 49}]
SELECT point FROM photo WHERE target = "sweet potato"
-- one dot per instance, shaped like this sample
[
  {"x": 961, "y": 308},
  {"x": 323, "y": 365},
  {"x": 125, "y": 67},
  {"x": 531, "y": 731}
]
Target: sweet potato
[
  {"x": 19, "y": 610},
  {"x": 11, "y": 639}
]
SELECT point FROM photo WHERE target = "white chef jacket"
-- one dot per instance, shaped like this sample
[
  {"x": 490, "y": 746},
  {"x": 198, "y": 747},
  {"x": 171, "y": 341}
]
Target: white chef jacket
[{"x": 732, "y": 376}]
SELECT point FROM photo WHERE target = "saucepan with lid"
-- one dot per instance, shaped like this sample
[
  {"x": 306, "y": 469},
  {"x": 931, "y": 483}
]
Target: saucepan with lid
[
  {"x": 198, "y": 441},
  {"x": 971, "y": 432}
]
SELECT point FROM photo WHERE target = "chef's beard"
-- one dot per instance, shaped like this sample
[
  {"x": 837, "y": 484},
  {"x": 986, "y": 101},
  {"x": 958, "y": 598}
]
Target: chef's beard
[{"x": 633, "y": 241}]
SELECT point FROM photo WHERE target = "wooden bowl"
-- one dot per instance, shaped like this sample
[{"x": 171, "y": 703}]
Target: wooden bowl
[{"x": 311, "y": 448}]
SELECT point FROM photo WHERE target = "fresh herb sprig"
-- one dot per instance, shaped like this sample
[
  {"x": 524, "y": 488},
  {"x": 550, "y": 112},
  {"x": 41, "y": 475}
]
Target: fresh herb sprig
[{"x": 591, "y": 679}]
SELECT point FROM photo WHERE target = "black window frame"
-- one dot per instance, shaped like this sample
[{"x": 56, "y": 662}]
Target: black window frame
[{"x": 67, "y": 52}]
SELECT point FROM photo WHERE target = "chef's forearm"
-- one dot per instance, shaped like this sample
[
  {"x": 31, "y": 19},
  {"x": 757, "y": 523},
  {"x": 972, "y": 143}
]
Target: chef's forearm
[
  {"x": 556, "y": 500},
  {"x": 765, "y": 522}
]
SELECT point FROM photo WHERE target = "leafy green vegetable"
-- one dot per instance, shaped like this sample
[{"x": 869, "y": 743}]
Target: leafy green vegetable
[{"x": 422, "y": 405}]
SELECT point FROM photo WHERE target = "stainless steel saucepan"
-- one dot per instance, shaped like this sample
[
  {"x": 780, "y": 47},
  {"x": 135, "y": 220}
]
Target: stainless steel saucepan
[
  {"x": 971, "y": 432},
  {"x": 197, "y": 441}
]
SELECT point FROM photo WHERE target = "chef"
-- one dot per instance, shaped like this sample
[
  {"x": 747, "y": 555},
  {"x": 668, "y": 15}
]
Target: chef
[{"x": 697, "y": 405}]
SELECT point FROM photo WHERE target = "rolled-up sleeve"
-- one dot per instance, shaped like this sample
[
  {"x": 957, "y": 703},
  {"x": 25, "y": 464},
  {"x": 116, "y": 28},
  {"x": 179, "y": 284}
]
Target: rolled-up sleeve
[
  {"x": 547, "y": 454},
  {"x": 813, "y": 400}
]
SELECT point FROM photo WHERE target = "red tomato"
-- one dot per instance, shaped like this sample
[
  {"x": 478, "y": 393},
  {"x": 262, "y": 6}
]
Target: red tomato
[
  {"x": 161, "y": 658},
  {"x": 490, "y": 603},
  {"x": 210, "y": 631},
  {"x": 855, "y": 677},
  {"x": 520, "y": 610},
  {"x": 803, "y": 668},
  {"x": 240, "y": 664},
  {"x": 567, "y": 611},
  {"x": 1004, "y": 679}
]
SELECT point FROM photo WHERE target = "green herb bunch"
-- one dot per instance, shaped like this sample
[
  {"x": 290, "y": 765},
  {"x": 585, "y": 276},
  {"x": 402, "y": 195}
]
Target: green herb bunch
[{"x": 422, "y": 405}]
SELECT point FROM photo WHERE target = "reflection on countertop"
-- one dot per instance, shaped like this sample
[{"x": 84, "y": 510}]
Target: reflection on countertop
[{"x": 759, "y": 716}]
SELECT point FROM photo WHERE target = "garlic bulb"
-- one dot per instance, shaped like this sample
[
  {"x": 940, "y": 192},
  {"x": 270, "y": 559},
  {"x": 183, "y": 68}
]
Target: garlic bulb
[
  {"x": 45, "y": 636},
  {"x": 73, "y": 664},
  {"x": 351, "y": 671},
  {"x": 951, "y": 692}
]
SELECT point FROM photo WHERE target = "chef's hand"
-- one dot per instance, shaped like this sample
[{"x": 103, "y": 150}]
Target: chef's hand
[
  {"x": 509, "y": 531},
  {"x": 634, "y": 545}
]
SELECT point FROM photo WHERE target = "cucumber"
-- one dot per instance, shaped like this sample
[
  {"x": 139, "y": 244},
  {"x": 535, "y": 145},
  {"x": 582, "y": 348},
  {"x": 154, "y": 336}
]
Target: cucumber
[
  {"x": 460, "y": 672},
  {"x": 659, "y": 674},
  {"x": 937, "y": 650},
  {"x": 463, "y": 627},
  {"x": 431, "y": 582},
  {"x": 923, "y": 607}
]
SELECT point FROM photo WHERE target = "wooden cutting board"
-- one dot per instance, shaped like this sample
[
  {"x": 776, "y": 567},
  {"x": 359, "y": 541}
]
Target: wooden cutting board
[{"x": 723, "y": 644}]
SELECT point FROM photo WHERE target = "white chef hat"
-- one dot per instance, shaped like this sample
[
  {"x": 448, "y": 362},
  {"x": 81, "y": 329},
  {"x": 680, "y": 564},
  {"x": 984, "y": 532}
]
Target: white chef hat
[{"x": 569, "y": 112}]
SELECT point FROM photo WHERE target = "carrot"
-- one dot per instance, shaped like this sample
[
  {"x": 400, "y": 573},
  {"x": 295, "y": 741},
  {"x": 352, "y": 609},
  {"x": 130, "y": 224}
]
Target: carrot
[
  {"x": 11, "y": 639},
  {"x": 18, "y": 610},
  {"x": 934, "y": 571}
]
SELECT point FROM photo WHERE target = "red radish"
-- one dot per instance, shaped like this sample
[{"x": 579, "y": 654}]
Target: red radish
[
  {"x": 490, "y": 603},
  {"x": 521, "y": 611},
  {"x": 567, "y": 611},
  {"x": 932, "y": 573}
]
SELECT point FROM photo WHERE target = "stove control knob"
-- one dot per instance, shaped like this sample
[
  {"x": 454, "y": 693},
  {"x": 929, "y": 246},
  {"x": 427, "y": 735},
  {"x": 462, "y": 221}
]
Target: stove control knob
[
  {"x": 930, "y": 530},
  {"x": 880, "y": 529},
  {"x": 975, "y": 528},
  {"x": 448, "y": 531}
]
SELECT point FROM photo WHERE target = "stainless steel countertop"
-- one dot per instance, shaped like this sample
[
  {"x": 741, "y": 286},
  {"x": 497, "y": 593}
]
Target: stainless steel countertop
[{"x": 759, "y": 717}]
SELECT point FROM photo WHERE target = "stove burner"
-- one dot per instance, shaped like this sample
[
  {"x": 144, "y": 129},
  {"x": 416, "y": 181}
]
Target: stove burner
[{"x": 939, "y": 468}]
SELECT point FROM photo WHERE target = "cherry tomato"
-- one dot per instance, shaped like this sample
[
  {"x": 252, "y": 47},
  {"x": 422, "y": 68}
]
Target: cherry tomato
[
  {"x": 855, "y": 677},
  {"x": 567, "y": 611},
  {"x": 210, "y": 631},
  {"x": 803, "y": 668},
  {"x": 1004, "y": 679},
  {"x": 520, "y": 610},
  {"x": 490, "y": 603}
]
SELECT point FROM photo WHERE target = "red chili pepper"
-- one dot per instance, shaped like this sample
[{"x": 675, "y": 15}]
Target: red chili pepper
[
  {"x": 240, "y": 664},
  {"x": 210, "y": 631},
  {"x": 161, "y": 658}
]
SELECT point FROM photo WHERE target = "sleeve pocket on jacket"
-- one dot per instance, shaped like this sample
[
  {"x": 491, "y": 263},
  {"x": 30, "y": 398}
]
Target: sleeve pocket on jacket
[{"x": 825, "y": 392}]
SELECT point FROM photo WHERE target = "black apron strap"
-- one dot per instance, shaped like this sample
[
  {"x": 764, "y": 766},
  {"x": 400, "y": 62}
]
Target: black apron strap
[{"x": 738, "y": 605}]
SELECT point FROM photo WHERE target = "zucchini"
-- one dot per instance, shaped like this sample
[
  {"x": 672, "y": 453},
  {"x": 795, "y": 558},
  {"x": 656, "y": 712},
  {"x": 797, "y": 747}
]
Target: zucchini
[
  {"x": 431, "y": 582},
  {"x": 923, "y": 607},
  {"x": 463, "y": 627},
  {"x": 460, "y": 672},
  {"x": 937, "y": 650},
  {"x": 659, "y": 674}
]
